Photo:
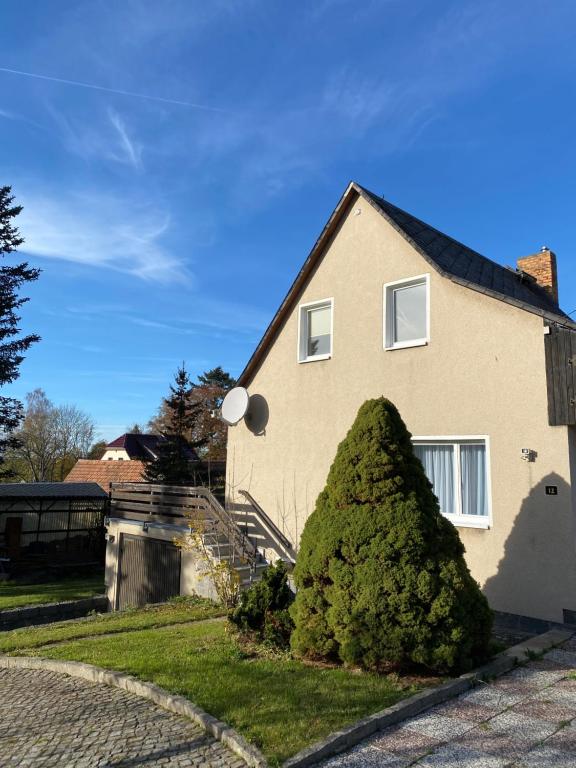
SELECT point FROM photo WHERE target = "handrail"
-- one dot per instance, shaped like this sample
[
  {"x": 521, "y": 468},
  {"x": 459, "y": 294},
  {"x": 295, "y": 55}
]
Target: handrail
[
  {"x": 231, "y": 529},
  {"x": 270, "y": 526}
]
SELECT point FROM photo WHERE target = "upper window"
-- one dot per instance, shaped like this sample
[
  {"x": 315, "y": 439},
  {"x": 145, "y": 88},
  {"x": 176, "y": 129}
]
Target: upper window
[
  {"x": 406, "y": 313},
  {"x": 315, "y": 335},
  {"x": 458, "y": 470}
]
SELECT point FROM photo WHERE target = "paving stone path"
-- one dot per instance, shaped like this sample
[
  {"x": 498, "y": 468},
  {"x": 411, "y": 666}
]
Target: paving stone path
[
  {"x": 49, "y": 720},
  {"x": 525, "y": 719}
]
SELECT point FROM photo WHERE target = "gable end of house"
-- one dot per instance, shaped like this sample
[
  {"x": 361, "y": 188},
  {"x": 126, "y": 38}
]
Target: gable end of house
[{"x": 448, "y": 257}]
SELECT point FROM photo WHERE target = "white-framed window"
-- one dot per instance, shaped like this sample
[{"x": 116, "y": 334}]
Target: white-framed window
[
  {"x": 407, "y": 313},
  {"x": 459, "y": 470},
  {"x": 315, "y": 330}
]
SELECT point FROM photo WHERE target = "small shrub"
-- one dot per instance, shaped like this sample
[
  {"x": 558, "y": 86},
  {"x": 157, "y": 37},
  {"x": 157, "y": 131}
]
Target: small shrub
[{"x": 263, "y": 607}]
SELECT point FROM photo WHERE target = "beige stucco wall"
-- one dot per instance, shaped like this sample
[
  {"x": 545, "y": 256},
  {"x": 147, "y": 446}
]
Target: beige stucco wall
[
  {"x": 483, "y": 373},
  {"x": 192, "y": 578}
]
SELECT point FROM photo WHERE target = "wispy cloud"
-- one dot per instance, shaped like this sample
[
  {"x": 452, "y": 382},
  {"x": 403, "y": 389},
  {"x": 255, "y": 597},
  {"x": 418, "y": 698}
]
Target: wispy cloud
[
  {"x": 358, "y": 100},
  {"x": 106, "y": 138},
  {"x": 100, "y": 231},
  {"x": 205, "y": 316},
  {"x": 132, "y": 150}
]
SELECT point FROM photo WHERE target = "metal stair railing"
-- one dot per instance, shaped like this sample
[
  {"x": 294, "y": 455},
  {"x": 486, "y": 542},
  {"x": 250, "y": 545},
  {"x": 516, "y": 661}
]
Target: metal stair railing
[
  {"x": 226, "y": 525},
  {"x": 280, "y": 540}
]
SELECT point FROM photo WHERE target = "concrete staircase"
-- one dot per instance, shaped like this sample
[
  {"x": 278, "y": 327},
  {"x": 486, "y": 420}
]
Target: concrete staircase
[{"x": 227, "y": 543}]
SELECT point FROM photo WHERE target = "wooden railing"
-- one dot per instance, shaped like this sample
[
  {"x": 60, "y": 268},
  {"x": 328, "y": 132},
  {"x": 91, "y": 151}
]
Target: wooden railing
[{"x": 176, "y": 503}]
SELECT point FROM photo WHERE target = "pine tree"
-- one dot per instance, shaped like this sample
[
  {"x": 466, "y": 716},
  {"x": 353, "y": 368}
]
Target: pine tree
[
  {"x": 205, "y": 432},
  {"x": 173, "y": 463},
  {"x": 381, "y": 575},
  {"x": 12, "y": 347}
]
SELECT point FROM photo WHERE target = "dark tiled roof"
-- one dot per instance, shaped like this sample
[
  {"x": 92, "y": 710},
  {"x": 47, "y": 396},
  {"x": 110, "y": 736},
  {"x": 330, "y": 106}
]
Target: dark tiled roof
[
  {"x": 51, "y": 490},
  {"x": 465, "y": 265},
  {"x": 105, "y": 472},
  {"x": 138, "y": 446}
]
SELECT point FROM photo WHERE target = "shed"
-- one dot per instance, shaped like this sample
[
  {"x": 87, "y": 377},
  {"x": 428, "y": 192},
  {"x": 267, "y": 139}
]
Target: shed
[{"x": 44, "y": 522}]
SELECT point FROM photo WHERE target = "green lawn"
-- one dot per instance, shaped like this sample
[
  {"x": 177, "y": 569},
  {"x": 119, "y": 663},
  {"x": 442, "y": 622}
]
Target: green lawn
[
  {"x": 279, "y": 704},
  {"x": 22, "y": 640},
  {"x": 15, "y": 595}
]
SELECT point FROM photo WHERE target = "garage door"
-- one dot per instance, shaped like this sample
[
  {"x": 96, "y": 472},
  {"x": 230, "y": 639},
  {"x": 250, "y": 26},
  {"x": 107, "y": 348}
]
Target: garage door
[{"x": 149, "y": 571}]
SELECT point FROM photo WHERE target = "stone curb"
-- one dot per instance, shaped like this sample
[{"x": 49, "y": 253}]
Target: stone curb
[
  {"x": 173, "y": 703},
  {"x": 43, "y": 613},
  {"x": 349, "y": 737}
]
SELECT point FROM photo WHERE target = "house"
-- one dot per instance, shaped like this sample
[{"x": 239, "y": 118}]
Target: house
[
  {"x": 479, "y": 359},
  {"x": 133, "y": 445},
  {"x": 104, "y": 473},
  {"x": 138, "y": 446}
]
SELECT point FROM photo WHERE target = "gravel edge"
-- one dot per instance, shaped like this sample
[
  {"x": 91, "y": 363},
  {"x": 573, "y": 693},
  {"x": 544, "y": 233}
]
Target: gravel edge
[{"x": 414, "y": 705}]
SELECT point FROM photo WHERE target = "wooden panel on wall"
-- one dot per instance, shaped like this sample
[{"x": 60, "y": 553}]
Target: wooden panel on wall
[{"x": 560, "y": 347}]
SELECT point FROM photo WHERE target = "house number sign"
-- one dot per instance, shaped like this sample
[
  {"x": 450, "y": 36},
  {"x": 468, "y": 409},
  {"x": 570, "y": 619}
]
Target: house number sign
[{"x": 551, "y": 490}]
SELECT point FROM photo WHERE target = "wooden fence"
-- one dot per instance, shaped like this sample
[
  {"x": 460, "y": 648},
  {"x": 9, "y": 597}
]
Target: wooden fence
[{"x": 175, "y": 504}]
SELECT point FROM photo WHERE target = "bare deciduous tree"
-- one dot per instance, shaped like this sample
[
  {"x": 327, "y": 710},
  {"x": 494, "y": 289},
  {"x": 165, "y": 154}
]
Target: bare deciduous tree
[{"x": 51, "y": 439}]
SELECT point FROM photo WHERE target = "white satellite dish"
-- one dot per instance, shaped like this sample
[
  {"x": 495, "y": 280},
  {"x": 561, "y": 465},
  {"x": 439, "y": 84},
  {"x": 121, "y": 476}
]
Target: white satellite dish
[{"x": 234, "y": 406}]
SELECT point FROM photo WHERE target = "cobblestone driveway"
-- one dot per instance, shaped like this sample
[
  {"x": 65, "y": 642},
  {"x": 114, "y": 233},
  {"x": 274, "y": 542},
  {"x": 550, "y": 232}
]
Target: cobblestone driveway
[
  {"x": 525, "y": 719},
  {"x": 47, "y": 719}
]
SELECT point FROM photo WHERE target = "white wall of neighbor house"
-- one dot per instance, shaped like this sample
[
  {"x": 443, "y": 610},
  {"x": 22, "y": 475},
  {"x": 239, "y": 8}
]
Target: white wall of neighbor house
[
  {"x": 481, "y": 373},
  {"x": 192, "y": 578},
  {"x": 115, "y": 454}
]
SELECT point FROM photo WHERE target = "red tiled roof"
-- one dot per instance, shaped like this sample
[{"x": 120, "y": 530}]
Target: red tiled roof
[{"x": 106, "y": 472}]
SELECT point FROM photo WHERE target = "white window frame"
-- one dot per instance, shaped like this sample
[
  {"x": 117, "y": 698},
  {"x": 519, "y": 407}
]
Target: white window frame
[
  {"x": 302, "y": 350},
  {"x": 458, "y": 519},
  {"x": 389, "y": 289}
]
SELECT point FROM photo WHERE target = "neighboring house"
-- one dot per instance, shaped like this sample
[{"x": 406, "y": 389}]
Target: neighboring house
[
  {"x": 480, "y": 361},
  {"x": 134, "y": 445},
  {"x": 106, "y": 472}
]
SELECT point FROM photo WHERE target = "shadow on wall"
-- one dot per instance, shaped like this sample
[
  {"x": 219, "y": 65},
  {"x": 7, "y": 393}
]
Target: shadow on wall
[
  {"x": 256, "y": 418},
  {"x": 539, "y": 563}
]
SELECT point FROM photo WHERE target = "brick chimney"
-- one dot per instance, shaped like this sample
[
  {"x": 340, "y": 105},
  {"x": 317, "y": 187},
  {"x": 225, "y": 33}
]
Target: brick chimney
[{"x": 542, "y": 267}]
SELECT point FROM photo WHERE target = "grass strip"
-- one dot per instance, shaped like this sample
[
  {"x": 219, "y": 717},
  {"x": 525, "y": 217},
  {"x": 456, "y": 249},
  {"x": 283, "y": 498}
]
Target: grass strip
[
  {"x": 22, "y": 640},
  {"x": 279, "y": 704},
  {"x": 17, "y": 595}
]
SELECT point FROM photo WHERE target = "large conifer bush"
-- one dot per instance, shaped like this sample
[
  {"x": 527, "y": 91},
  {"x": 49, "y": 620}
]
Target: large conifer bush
[{"x": 381, "y": 575}]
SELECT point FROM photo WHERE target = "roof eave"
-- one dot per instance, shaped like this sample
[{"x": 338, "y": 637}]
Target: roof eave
[{"x": 352, "y": 193}]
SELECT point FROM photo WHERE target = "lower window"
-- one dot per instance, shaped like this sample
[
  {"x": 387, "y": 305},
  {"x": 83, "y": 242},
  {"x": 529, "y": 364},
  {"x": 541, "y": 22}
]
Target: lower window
[{"x": 458, "y": 471}]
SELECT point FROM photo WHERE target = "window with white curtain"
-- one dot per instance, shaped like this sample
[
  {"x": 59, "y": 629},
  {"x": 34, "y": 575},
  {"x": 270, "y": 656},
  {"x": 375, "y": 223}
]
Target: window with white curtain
[
  {"x": 315, "y": 333},
  {"x": 406, "y": 313},
  {"x": 459, "y": 472}
]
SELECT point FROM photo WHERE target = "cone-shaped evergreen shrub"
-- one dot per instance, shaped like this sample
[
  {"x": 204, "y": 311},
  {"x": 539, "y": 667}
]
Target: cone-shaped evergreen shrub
[{"x": 381, "y": 575}]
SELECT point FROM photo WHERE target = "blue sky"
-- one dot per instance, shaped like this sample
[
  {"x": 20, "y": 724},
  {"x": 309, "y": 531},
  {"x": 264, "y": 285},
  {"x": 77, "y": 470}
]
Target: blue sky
[{"x": 171, "y": 205}]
